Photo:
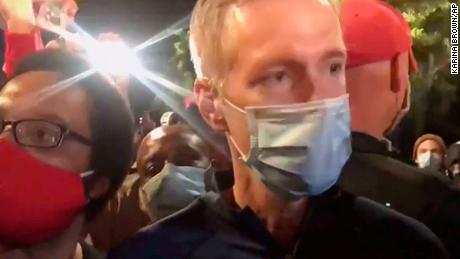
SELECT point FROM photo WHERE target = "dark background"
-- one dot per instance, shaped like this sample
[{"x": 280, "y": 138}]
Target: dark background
[{"x": 135, "y": 20}]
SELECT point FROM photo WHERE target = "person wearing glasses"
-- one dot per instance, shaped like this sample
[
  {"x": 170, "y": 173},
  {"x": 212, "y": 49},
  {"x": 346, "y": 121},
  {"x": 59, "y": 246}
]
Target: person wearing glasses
[{"x": 64, "y": 151}]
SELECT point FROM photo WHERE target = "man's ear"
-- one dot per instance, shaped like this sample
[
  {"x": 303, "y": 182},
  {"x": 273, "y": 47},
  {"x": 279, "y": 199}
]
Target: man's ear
[
  {"x": 209, "y": 105},
  {"x": 399, "y": 72}
]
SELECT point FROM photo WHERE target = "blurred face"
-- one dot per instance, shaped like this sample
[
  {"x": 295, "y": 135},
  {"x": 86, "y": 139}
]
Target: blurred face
[
  {"x": 67, "y": 111},
  {"x": 148, "y": 163},
  {"x": 455, "y": 169},
  {"x": 429, "y": 146},
  {"x": 296, "y": 56}
]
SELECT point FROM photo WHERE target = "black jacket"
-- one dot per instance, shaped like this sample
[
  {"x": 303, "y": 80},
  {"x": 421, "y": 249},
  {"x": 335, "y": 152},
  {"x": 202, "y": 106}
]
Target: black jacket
[
  {"x": 426, "y": 196},
  {"x": 338, "y": 225}
]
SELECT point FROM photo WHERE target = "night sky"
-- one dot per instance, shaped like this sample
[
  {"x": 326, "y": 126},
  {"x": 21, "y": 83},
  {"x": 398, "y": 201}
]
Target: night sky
[{"x": 135, "y": 20}]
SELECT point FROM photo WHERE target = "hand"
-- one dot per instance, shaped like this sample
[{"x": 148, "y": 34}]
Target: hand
[
  {"x": 69, "y": 9},
  {"x": 20, "y": 17}
]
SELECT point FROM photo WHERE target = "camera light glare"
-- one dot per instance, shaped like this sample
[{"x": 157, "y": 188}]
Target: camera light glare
[{"x": 113, "y": 58}]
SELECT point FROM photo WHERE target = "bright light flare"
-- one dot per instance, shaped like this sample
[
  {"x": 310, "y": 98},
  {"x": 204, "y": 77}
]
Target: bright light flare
[
  {"x": 56, "y": 88},
  {"x": 116, "y": 58},
  {"x": 161, "y": 81},
  {"x": 171, "y": 30},
  {"x": 178, "y": 107},
  {"x": 113, "y": 58}
]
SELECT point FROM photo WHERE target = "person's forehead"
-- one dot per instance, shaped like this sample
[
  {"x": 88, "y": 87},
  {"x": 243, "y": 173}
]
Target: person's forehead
[
  {"x": 309, "y": 24},
  {"x": 31, "y": 94},
  {"x": 152, "y": 142},
  {"x": 429, "y": 143},
  {"x": 27, "y": 84}
]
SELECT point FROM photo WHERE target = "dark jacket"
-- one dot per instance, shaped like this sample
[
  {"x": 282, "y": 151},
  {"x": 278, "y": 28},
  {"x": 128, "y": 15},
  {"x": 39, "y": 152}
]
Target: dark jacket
[
  {"x": 338, "y": 225},
  {"x": 426, "y": 196}
]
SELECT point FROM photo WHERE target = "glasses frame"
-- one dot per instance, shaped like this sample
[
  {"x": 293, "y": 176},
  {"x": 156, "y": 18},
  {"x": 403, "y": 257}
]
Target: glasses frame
[{"x": 65, "y": 132}]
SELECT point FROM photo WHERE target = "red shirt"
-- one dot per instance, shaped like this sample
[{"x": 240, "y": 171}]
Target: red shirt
[{"x": 18, "y": 46}]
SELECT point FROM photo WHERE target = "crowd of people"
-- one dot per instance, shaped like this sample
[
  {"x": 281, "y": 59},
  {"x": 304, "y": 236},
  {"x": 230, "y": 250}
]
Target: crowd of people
[{"x": 282, "y": 152}]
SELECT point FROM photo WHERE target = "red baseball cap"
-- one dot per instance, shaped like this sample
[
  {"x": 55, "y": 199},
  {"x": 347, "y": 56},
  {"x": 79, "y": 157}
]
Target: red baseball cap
[{"x": 374, "y": 31}]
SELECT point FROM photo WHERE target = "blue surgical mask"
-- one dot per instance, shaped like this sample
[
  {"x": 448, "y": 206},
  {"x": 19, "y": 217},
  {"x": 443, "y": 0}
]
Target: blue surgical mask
[
  {"x": 171, "y": 190},
  {"x": 429, "y": 160},
  {"x": 298, "y": 150}
]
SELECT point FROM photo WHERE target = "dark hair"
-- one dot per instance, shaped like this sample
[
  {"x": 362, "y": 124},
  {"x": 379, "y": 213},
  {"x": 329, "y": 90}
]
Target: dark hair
[{"x": 110, "y": 119}]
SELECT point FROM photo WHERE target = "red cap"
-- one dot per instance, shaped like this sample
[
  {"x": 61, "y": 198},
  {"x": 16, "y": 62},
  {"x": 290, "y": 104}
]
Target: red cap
[{"x": 374, "y": 31}]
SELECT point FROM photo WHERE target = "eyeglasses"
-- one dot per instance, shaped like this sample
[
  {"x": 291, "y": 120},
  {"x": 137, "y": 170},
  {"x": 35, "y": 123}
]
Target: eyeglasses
[{"x": 40, "y": 133}]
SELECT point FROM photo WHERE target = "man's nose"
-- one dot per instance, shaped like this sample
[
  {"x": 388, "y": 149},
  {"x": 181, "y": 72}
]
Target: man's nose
[
  {"x": 315, "y": 88},
  {"x": 305, "y": 92}
]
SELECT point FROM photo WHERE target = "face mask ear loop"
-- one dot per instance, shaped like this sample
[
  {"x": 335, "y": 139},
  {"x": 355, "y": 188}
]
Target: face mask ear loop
[
  {"x": 84, "y": 176},
  {"x": 219, "y": 87},
  {"x": 242, "y": 156},
  {"x": 233, "y": 105}
]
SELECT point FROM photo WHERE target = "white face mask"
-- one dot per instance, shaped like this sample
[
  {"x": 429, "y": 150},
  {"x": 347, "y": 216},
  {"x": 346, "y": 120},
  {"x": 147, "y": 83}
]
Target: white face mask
[
  {"x": 298, "y": 150},
  {"x": 430, "y": 161}
]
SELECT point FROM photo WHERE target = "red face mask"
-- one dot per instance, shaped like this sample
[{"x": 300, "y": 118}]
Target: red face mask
[{"x": 37, "y": 201}]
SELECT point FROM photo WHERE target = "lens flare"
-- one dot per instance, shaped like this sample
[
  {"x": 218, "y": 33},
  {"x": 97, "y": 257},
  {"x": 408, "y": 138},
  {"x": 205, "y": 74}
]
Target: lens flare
[
  {"x": 171, "y": 30},
  {"x": 44, "y": 94},
  {"x": 163, "y": 82},
  {"x": 113, "y": 58}
]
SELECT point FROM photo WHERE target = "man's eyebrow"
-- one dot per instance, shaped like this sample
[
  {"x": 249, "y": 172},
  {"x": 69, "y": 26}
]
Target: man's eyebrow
[{"x": 334, "y": 53}]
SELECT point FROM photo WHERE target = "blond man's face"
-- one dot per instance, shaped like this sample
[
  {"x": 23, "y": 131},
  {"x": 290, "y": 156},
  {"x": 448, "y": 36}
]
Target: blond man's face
[{"x": 282, "y": 52}]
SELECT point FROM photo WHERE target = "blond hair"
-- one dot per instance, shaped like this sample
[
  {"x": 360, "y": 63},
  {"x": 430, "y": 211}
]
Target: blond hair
[
  {"x": 206, "y": 26},
  {"x": 206, "y": 41}
]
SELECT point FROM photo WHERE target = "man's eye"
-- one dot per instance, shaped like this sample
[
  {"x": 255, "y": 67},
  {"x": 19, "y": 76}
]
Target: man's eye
[
  {"x": 278, "y": 79},
  {"x": 336, "y": 68}
]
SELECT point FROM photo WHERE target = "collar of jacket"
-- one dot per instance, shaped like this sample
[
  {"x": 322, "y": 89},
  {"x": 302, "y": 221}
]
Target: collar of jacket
[{"x": 364, "y": 143}]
